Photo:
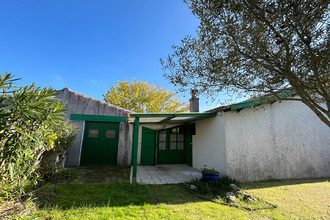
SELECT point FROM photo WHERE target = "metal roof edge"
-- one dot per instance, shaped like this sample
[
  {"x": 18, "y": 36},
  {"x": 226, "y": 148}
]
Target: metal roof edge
[
  {"x": 155, "y": 115},
  {"x": 249, "y": 103}
]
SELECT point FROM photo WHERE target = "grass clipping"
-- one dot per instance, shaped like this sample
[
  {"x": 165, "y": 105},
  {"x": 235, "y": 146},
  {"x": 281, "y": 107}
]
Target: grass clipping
[{"x": 215, "y": 191}]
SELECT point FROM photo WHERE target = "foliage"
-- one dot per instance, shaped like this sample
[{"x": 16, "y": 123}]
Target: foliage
[
  {"x": 30, "y": 118},
  {"x": 213, "y": 188},
  {"x": 216, "y": 190},
  {"x": 212, "y": 171},
  {"x": 143, "y": 97},
  {"x": 54, "y": 159},
  {"x": 256, "y": 48}
]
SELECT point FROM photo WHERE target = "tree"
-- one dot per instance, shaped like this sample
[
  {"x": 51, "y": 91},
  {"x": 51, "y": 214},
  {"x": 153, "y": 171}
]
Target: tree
[
  {"x": 143, "y": 97},
  {"x": 256, "y": 47}
]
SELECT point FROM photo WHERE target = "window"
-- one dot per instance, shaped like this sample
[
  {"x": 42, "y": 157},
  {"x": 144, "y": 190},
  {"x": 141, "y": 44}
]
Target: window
[
  {"x": 162, "y": 145},
  {"x": 93, "y": 133},
  {"x": 175, "y": 130},
  {"x": 180, "y": 146},
  {"x": 110, "y": 134},
  {"x": 162, "y": 140},
  {"x": 173, "y": 145},
  {"x": 162, "y": 136},
  {"x": 176, "y": 139}
]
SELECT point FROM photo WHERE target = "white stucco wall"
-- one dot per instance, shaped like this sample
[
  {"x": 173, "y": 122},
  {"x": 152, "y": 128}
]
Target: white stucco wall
[
  {"x": 209, "y": 144},
  {"x": 283, "y": 140}
]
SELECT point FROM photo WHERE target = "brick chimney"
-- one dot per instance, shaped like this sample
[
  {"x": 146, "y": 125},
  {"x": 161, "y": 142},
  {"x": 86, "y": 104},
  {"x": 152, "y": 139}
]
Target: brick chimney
[{"x": 194, "y": 101}]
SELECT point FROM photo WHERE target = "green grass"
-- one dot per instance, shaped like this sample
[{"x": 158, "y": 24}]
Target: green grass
[
  {"x": 296, "y": 199},
  {"x": 104, "y": 193},
  {"x": 102, "y": 174}
]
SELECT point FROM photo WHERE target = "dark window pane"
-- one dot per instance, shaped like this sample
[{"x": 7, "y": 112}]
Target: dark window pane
[
  {"x": 180, "y": 145},
  {"x": 162, "y": 145},
  {"x": 173, "y": 146},
  {"x": 93, "y": 133},
  {"x": 110, "y": 134}
]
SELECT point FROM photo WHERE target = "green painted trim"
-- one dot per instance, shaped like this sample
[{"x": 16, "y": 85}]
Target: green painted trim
[
  {"x": 246, "y": 104},
  {"x": 159, "y": 115},
  {"x": 262, "y": 101},
  {"x": 287, "y": 94},
  {"x": 100, "y": 118},
  {"x": 135, "y": 147}
]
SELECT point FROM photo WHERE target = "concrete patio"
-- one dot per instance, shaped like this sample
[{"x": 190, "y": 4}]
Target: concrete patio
[{"x": 166, "y": 174}]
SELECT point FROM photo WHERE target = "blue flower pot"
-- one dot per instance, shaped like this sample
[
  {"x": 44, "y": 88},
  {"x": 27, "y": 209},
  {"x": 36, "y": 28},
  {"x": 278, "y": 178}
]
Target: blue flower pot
[{"x": 210, "y": 176}]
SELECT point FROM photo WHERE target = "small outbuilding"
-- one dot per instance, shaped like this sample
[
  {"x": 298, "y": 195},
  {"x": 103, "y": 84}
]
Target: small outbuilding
[{"x": 103, "y": 136}]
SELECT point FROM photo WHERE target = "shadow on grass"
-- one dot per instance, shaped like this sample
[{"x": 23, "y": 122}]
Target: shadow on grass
[
  {"x": 103, "y": 174},
  {"x": 278, "y": 183},
  {"x": 110, "y": 187},
  {"x": 67, "y": 196}
]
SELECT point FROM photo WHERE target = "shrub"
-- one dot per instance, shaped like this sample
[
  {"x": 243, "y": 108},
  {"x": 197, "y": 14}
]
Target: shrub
[
  {"x": 213, "y": 188},
  {"x": 29, "y": 120},
  {"x": 211, "y": 171},
  {"x": 54, "y": 159}
]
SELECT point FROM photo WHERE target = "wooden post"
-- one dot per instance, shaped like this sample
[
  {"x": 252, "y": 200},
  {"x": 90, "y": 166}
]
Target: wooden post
[{"x": 135, "y": 147}]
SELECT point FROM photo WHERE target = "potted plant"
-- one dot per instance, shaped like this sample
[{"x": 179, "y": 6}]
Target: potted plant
[{"x": 210, "y": 174}]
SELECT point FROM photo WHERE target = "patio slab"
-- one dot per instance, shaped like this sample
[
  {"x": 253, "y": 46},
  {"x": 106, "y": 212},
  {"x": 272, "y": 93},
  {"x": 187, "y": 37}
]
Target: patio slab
[{"x": 166, "y": 174}]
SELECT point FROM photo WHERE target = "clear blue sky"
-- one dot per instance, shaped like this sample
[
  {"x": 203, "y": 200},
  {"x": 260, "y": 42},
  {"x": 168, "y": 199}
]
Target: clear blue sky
[{"x": 89, "y": 45}]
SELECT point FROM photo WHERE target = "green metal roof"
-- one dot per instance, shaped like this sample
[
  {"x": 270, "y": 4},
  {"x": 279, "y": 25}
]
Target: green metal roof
[{"x": 249, "y": 103}]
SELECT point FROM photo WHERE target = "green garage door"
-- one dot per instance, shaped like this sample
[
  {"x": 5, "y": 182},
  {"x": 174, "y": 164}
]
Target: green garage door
[{"x": 100, "y": 144}]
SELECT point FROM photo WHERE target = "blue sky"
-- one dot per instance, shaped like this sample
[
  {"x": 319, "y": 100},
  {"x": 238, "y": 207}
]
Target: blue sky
[{"x": 89, "y": 45}]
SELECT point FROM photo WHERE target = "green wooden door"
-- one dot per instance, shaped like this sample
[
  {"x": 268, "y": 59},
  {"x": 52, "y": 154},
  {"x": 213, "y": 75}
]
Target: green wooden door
[
  {"x": 171, "y": 148},
  {"x": 148, "y": 146},
  {"x": 100, "y": 144}
]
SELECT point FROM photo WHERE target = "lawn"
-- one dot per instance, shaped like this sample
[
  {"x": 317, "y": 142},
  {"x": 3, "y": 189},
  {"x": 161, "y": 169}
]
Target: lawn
[{"x": 296, "y": 199}]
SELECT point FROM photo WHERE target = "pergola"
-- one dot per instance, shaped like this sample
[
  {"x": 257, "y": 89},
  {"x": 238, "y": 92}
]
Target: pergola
[{"x": 159, "y": 118}]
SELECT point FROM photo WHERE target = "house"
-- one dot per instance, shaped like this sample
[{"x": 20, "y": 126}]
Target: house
[{"x": 249, "y": 141}]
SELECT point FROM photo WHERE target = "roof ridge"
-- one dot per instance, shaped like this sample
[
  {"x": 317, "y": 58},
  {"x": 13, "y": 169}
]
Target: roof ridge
[{"x": 94, "y": 99}]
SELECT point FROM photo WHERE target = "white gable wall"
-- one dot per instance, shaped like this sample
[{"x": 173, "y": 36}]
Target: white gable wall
[
  {"x": 209, "y": 144},
  {"x": 283, "y": 140}
]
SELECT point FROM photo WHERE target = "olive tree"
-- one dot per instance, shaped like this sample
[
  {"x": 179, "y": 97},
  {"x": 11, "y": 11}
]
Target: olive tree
[{"x": 257, "y": 47}]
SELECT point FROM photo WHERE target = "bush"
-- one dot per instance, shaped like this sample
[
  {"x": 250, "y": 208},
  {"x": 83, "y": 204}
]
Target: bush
[
  {"x": 213, "y": 188},
  {"x": 54, "y": 159},
  {"x": 30, "y": 120}
]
